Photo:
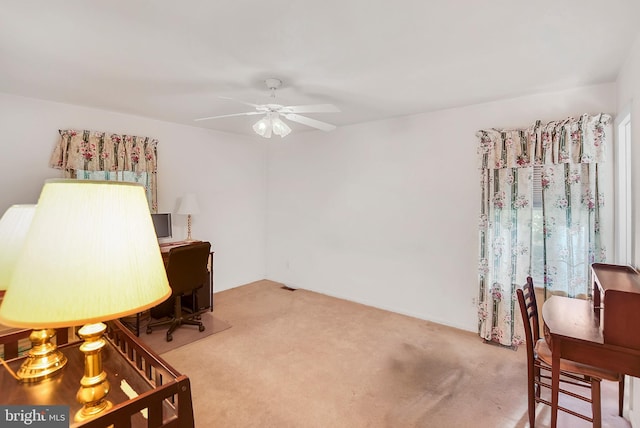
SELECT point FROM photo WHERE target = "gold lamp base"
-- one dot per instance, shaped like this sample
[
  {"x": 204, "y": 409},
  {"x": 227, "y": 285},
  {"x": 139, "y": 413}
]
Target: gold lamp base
[
  {"x": 44, "y": 359},
  {"x": 94, "y": 385},
  {"x": 89, "y": 411}
]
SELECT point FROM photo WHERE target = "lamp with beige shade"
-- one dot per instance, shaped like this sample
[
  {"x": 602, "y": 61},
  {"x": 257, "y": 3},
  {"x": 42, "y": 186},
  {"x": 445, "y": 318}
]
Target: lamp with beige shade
[
  {"x": 90, "y": 255},
  {"x": 44, "y": 359}
]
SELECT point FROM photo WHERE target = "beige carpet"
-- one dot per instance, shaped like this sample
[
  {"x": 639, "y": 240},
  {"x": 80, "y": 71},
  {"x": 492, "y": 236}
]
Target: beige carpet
[
  {"x": 183, "y": 335},
  {"x": 302, "y": 359}
]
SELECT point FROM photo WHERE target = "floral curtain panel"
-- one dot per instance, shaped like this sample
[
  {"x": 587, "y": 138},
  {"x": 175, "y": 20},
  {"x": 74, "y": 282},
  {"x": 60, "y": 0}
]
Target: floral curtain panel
[
  {"x": 93, "y": 155},
  {"x": 505, "y": 250},
  {"x": 566, "y": 154}
]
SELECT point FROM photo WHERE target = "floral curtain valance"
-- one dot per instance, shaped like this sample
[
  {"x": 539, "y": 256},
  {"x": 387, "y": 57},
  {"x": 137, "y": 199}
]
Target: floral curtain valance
[
  {"x": 94, "y": 155},
  {"x": 571, "y": 140},
  {"x": 102, "y": 151}
]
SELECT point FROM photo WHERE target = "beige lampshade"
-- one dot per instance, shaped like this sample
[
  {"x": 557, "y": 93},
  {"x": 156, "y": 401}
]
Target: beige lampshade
[
  {"x": 90, "y": 255},
  {"x": 189, "y": 205},
  {"x": 14, "y": 225}
]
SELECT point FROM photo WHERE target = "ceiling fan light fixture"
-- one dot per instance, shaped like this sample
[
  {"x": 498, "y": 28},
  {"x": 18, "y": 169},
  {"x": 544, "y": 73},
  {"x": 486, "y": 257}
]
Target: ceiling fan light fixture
[
  {"x": 262, "y": 126},
  {"x": 269, "y": 124},
  {"x": 280, "y": 128},
  {"x": 272, "y": 123}
]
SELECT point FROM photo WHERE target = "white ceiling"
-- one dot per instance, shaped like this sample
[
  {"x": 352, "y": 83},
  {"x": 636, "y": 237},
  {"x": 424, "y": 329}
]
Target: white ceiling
[{"x": 374, "y": 59}]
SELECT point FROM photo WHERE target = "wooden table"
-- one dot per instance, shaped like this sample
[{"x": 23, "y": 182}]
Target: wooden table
[
  {"x": 139, "y": 379},
  {"x": 573, "y": 331}
]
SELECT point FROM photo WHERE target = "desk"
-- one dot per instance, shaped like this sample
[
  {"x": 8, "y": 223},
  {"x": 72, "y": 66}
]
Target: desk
[{"x": 573, "y": 331}]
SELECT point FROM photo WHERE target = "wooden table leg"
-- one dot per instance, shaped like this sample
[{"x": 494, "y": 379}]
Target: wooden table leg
[{"x": 555, "y": 383}]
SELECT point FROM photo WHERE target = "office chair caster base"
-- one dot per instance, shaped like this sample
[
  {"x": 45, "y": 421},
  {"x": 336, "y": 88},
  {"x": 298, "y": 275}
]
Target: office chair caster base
[
  {"x": 169, "y": 337},
  {"x": 149, "y": 330},
  {"x": 200, "y": 327}
]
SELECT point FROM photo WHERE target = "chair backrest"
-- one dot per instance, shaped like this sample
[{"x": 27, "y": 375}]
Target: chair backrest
[
  {"x": 187, "y": 267},
  {"x": 529, "y": 311}
]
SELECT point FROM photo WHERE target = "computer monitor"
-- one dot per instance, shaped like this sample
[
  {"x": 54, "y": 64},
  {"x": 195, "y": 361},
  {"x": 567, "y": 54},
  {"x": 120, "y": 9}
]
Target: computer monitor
[{"x": 162, "y": 224}]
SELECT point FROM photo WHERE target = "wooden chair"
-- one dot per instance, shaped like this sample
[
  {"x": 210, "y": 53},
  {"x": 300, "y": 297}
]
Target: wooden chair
[
  {"x": 186, "y": 272},
  {"x": 539, "y": 367}
]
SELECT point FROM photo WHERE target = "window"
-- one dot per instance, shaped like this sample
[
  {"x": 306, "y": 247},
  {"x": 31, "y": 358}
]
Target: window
[
  {"x": 537, "y": 241},
  {"x": 128, "y": 176}
]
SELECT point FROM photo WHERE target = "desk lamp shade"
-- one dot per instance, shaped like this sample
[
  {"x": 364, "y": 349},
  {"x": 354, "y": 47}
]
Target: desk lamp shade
[
  {"x": 91, "y": 255},
  {"x": 43, "y": 359},
  {"x": 14, "y": 225},
  {"x": 189, "y": 206}
]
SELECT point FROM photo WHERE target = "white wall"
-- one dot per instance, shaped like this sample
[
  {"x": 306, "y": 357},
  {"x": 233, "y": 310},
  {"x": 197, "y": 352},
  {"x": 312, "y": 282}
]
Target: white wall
[
  {"x": 386, "y": 213},
  {"x": 628, "y": 96},
  {"x": 383, "y": 213},
  {"x": 227, "y": 173}
]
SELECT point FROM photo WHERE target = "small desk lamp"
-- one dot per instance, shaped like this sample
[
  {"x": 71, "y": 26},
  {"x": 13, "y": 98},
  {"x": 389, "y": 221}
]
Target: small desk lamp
[
  {"x": 188, "y": 206},
  {"x": 44, "y": 359},
  {"x": 90, "y": 255}
]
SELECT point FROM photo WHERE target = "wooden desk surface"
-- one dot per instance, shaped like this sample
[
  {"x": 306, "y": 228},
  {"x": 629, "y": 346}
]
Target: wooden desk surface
[
  {"x": 573, "y": 332},
  {"x": 574, "y": 319}
]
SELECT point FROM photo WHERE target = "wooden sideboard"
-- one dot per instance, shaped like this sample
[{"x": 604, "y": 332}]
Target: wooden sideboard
[{"x": 145, "y": 390}]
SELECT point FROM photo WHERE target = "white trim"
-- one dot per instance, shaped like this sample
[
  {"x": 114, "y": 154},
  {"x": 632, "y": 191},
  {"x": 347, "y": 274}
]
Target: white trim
[{"x": 623, "y": 202}]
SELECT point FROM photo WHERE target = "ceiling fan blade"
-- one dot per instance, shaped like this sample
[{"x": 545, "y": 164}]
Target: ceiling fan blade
[
  {"x": 309, "y": 122},
  {"x": 313, "y": 108},
  {"x": 238, "y": 101},
  {"x": 249, "y": 113}
]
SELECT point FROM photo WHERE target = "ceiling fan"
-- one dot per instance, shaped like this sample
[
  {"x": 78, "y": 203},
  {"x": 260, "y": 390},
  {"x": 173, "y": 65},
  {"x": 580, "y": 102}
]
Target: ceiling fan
[{"x": 272, "y": 122}]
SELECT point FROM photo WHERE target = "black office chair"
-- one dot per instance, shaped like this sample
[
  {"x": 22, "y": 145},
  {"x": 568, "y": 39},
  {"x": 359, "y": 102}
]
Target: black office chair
[{"x": 187, "y": 272}]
